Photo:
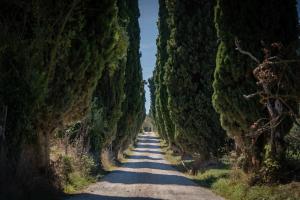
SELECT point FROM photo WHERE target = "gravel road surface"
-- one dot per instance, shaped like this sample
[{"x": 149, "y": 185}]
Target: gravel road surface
[{"x": 146, "y": 175}]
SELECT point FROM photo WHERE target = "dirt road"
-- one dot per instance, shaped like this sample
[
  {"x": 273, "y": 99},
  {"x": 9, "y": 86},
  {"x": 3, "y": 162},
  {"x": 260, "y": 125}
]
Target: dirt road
[{"x": 146, "y": 175}]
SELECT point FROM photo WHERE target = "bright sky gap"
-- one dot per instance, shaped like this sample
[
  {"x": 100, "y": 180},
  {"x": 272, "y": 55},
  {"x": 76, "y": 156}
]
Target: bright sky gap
[{"x": 148, "y": 26}]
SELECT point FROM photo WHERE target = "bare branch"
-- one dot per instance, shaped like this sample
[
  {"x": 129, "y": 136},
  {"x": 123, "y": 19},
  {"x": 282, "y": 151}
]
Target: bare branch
[
  {"x": 282, "y": 62},
  {"x": 251, "y": 95},
  {"x": 238, "y": 47}
]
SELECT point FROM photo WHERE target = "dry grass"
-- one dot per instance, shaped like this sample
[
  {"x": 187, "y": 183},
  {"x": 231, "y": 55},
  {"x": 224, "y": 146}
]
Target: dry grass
[
  {"x": 75, "y": 172},
  {"x": 234, "y": 187},
  {"x": 232, "y": 184},
  {"x": 107, "y": 161}
]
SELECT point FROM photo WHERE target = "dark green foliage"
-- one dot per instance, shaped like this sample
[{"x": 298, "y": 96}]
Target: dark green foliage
[
  {"x": 133, "y": 106},
  {"x": 251, "y": 22},
  {"x": 161, "y": 101},
  {"x": 118, "y": 110},
  {"x": 151, "y": 85},
  {"x": 106, "y": 112},
  {"x": 55, "y": 58},
  {"x": 158, "y": 113},
  {"x": 233, "y": 76},
  {"x": 108, "y": 97},
  {"x": 96, "y": 124},
  {"x": 189, "y": 70},
  {"x": 293, "y": 143},
  {"x": 52, "y": 54}
]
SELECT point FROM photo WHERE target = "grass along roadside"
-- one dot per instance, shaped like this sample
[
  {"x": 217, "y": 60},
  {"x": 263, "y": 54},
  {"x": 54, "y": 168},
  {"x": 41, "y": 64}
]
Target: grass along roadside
[
  {"x": 80, "y": 175},
  {"x": 74, "y": 172},
  {"x": 232, "y": 183},
  {"x": 77, "y": 174}
]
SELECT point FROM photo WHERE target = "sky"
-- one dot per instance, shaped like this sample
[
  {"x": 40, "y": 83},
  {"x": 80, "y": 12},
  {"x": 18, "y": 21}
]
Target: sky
[
  {"x": 149, "y": 32},
  {"x": 298, "y": 6}
]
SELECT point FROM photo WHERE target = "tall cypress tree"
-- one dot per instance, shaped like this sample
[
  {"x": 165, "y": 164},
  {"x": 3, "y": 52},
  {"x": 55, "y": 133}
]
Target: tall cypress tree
[
  {"x": 133, "y": 108},
  {"x": 189, "y": 70},
  {"x": 52, "y": 55},
  {"x": 110, "y": 91},
  {"x": 151, "y": 85},
  {"x": 251, "y": 22},
  {"x": 158, "y": 113},
  {"x": 161, "y": 100}
]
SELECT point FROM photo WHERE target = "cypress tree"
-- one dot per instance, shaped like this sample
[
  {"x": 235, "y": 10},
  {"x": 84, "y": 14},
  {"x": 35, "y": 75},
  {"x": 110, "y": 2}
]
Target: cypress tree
[
  {"x": 158, "y": 112},
  {"x": 161, "y": 59},
  {"x": 151, "y": 86},
  {"x": 108, "y": 98},
  {"x": 133, "y": 108},
  {"x": 251, "y": 22},
  {"x": 109, "y": 94},
  {"x": 189, "y": 70},
  {"x": 52, "y": 55}
]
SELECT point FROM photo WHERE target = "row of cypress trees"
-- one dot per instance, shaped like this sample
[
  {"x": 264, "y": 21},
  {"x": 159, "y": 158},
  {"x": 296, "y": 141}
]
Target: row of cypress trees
[
  {"x": 56, "y": 58},
  {"x": 200, "y": 78},
  {"x": 183, "y": 78},
  {"x": 133, "y": 108}
]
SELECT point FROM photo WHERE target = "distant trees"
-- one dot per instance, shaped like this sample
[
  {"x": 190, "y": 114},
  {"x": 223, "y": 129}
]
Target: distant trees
[
  {"x": 151, "y": 85},
  {"x": 268, "y": 21}
]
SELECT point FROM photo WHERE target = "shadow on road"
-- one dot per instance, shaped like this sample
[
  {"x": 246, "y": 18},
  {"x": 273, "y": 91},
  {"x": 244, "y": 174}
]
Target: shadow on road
[
  {"x": 149, "y": 165},
  {"x": 149, "y": 141},
  {"x": 104, "y": 197},
  {"x": 148, "y": 146},
  {"x": 148, "y": 137},
  {"x": 143, "y": 157},
  {"x": 148, "y": 151},
  {"x": 125, "y": 177}
]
